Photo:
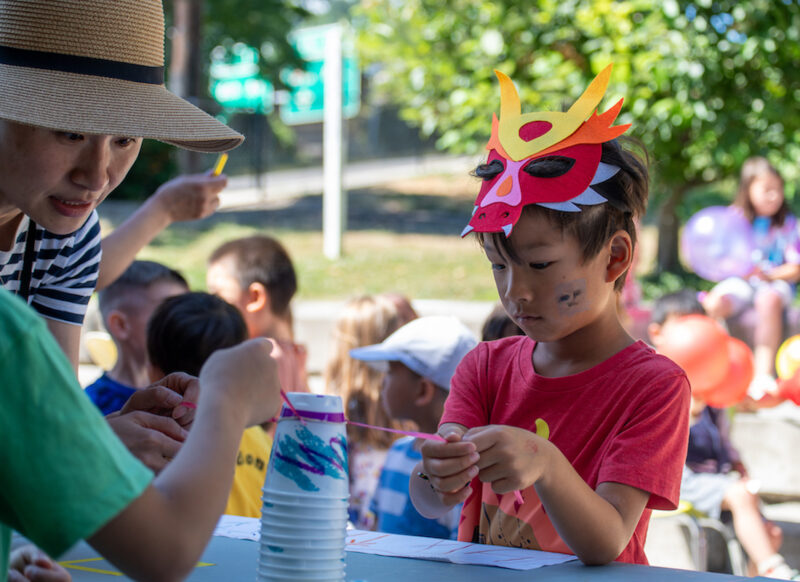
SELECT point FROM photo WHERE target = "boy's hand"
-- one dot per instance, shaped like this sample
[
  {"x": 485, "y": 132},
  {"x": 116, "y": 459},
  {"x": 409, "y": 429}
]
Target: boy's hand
[
  {"x": 167, "y": 397},
  {"x": 30, "y": 564},
  {"x": 247, "y": 376},
  {"x": 511, "y": 458},
  {"x": 450, "y": 466},
  {"x": 153, "y": 439}
]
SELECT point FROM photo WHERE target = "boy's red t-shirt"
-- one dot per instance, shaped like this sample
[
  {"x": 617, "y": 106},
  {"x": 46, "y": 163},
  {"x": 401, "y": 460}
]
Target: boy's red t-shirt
[{"x": 625, "y": 420}]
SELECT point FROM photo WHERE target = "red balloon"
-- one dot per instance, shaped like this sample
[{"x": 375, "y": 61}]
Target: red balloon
[
  {"x": 733, "y": 388},
  {"x": 789, "y": 388},
  {"x": 699, "y": 345}
]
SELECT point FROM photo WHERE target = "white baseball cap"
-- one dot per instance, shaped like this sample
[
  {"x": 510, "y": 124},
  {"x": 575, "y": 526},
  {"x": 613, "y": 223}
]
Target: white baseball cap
[{"x": 431, "y": 346}]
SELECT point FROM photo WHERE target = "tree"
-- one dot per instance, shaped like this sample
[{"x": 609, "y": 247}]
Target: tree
[{"x": 706, "y": 83}]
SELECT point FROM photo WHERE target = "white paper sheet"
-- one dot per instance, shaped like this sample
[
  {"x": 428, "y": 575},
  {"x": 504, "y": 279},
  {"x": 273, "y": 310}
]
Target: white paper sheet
[{"x": 370, "y": 542}]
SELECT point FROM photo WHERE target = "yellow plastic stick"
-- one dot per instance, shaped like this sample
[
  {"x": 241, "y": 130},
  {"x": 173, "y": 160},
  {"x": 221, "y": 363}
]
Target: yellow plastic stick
[{"x": 220, "y": 165}]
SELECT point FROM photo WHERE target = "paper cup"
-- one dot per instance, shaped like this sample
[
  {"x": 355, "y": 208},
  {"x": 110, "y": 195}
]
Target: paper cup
[
  {"x": 305, "y": 494},
  {"x": 310, "y": 460}
]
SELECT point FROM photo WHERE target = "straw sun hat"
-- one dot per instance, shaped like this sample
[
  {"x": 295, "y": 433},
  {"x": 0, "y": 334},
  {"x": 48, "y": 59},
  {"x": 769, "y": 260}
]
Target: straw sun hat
[{"x": 97, "y": 66}]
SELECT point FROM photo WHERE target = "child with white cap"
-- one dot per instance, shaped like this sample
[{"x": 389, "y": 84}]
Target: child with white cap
[{"x": 419, "y": 359}]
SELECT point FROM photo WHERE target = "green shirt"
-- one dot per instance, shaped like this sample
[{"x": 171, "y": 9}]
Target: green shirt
[{"x": 63, "y": 472}]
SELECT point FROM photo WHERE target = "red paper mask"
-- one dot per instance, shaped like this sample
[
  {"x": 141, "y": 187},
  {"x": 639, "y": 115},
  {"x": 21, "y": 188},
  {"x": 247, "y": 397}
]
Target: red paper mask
[{"x": 547, "y": 158}]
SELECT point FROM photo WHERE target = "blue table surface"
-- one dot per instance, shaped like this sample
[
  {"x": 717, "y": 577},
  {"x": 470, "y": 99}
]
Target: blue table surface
[{"x": 230, "y": 560}]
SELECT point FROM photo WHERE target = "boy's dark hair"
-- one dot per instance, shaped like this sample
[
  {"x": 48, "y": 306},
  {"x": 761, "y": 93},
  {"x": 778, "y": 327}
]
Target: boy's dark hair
[
  {"x": 752, "y": 169},
  {"x": 186, "y": 329},
  {"x": 683, "y": 302},
  {"x": 262, "y": 259},
  {"x": 138, "y": 276},
  {"x": 499, "y": 325},
  {"x": 626, "y": 193}
]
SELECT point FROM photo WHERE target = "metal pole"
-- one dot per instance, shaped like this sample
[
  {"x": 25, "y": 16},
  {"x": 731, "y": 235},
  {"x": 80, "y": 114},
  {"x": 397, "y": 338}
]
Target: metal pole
[{"x": 333, "y": 207}]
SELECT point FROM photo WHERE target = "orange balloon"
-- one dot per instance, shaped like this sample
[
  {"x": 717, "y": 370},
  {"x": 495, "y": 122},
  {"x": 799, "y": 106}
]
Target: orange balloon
[
  {"x": 699, "y": 345},
  {"x": 733, "y": 388}
]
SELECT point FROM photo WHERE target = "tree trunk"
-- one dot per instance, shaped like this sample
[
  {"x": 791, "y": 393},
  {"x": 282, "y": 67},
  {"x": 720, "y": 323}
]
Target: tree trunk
[
  {"x": 185, "y": 68},
  {"x": 668, "y": 225}
]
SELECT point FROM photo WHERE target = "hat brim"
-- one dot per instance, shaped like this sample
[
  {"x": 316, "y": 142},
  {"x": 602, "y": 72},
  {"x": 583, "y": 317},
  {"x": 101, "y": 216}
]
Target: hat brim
[
  {"x": 99, "y": 105},
  {"x": 377, "y": 356}
]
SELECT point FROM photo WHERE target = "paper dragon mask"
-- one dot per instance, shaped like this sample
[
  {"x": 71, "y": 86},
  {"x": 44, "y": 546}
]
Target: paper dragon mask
[{"x": 547, "y": 158}]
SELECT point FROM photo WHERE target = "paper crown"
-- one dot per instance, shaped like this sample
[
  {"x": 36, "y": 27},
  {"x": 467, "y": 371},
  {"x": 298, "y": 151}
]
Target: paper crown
[{"x": 549, "y": 158}]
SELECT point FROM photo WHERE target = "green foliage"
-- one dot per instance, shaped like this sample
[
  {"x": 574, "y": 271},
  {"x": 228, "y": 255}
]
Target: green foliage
[
  {"x": 262, "y": 24},
  {"x": 654, "y": 285},
  {"x": 154, "y": 166},
  {"x": 706, "y": 83}
]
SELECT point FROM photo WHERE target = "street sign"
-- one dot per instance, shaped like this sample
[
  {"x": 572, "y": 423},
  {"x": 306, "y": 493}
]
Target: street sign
[
  {"x": 306, "y": 86},
  {"x": 235, "y": 83}
]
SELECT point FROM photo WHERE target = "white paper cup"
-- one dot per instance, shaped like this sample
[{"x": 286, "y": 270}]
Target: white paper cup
[
  {"x": 305, "y": 494},
  {"x": 319, "y": 513},
  {"x": 310, "y": 460}
]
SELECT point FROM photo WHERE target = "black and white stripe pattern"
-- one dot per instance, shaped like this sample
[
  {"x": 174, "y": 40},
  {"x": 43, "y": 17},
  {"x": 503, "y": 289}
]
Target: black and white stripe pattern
[{"x": 64, "y": 270}]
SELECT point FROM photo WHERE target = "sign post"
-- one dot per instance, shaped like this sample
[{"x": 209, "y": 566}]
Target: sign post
[{"x": 334, "y": 204}]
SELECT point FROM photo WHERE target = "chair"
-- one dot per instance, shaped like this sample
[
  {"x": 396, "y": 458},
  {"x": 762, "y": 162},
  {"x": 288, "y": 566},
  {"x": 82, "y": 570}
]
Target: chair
[{"x": 676, "y": 540}]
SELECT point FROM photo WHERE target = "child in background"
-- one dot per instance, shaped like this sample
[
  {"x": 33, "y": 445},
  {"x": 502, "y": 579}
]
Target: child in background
[
  {"x": 182, "y": 334},
  {"x": 405, "y": 311},
  {"x": 422, "y": 357},
  {"x": 770, "y": 288},
  {"x": 256, "y": 275},
  {"x": 498, "y": 325},
  {"x": 588, "y": 426},
  {"x": 126, "y": 306},
  {"x": 714, "y": 477},
  {"x": 364, "y": 321}
]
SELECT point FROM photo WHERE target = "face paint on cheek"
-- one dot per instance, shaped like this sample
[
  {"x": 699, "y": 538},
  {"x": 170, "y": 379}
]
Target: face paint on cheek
[{"x": 571, "y": 297}]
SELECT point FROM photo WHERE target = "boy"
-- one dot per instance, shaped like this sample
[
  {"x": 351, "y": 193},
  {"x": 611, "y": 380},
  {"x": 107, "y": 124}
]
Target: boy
[
  {"x": 182, "y": 334},
  {"x": 714, "y": 477},
  {"x": 256, "y": 275},
  {"x": 126, "y": 306},
  {"x": 422, "y": 357},
  {"x": 586, "y": 425}
]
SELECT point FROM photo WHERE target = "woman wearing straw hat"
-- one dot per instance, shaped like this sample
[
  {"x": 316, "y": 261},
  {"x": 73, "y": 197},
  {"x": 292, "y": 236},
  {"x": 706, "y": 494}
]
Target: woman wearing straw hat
[
  {"x": 80, "y": 86},
  {"x": 77, "y": 96}
]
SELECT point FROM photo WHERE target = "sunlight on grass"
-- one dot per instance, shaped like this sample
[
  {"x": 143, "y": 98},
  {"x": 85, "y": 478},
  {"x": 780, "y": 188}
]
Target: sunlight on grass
[{"x": 420, "y": 266}]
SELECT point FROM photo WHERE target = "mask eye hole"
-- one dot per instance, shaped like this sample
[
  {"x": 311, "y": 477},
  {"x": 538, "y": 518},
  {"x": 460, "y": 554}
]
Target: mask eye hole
[
  {"x": 549, "y": 167},
  {"x": 489, "y": 171}
]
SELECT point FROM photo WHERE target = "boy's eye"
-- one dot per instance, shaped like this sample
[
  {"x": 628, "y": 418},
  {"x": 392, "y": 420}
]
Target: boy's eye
[
  {"x": 540, "y": 266},
  {"x": 549, "y": 167},
  {"x": 498, "y": 267},
  {"x": 489, "y": 171},
  {"x": 71, "y": 136},
  {"x": 126, "y": 141}
]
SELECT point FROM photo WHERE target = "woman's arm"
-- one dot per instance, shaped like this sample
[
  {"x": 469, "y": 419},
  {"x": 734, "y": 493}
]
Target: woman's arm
[
  {"x": 183, "y": 198},
  {"x": 161, "y": 534}
]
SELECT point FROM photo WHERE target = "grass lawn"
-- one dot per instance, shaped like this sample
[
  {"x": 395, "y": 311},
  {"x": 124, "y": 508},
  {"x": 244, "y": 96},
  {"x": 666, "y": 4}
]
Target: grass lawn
[{"x": 401, "y": 237}]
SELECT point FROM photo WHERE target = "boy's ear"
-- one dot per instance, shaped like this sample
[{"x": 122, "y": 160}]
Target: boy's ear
[
  {"x": 620, "y": 256},
  {"x": 117, "y": 325},
  {"x": 257, "y": 298},
  {"x": 654, "y": 333},
  {"x": 425, "y": 393}
]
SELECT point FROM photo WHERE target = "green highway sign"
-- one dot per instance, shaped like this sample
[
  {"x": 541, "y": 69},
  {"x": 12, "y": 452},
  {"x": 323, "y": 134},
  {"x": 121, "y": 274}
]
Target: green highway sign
[
  {"x": 235, "y": 83},
  {"x": 306, "y": 88}
]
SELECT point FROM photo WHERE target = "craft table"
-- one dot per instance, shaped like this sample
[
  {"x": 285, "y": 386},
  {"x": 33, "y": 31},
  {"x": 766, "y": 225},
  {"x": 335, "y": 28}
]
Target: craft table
[{"x": 232, "y": 560}]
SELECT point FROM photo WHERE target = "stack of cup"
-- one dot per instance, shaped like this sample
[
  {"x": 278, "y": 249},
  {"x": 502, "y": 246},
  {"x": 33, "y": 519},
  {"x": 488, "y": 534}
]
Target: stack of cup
[{"x": 305, "y": 495}]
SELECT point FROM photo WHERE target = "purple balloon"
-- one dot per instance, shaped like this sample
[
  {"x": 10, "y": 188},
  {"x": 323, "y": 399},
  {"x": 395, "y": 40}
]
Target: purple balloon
[{"x": 718, "y": 243}]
